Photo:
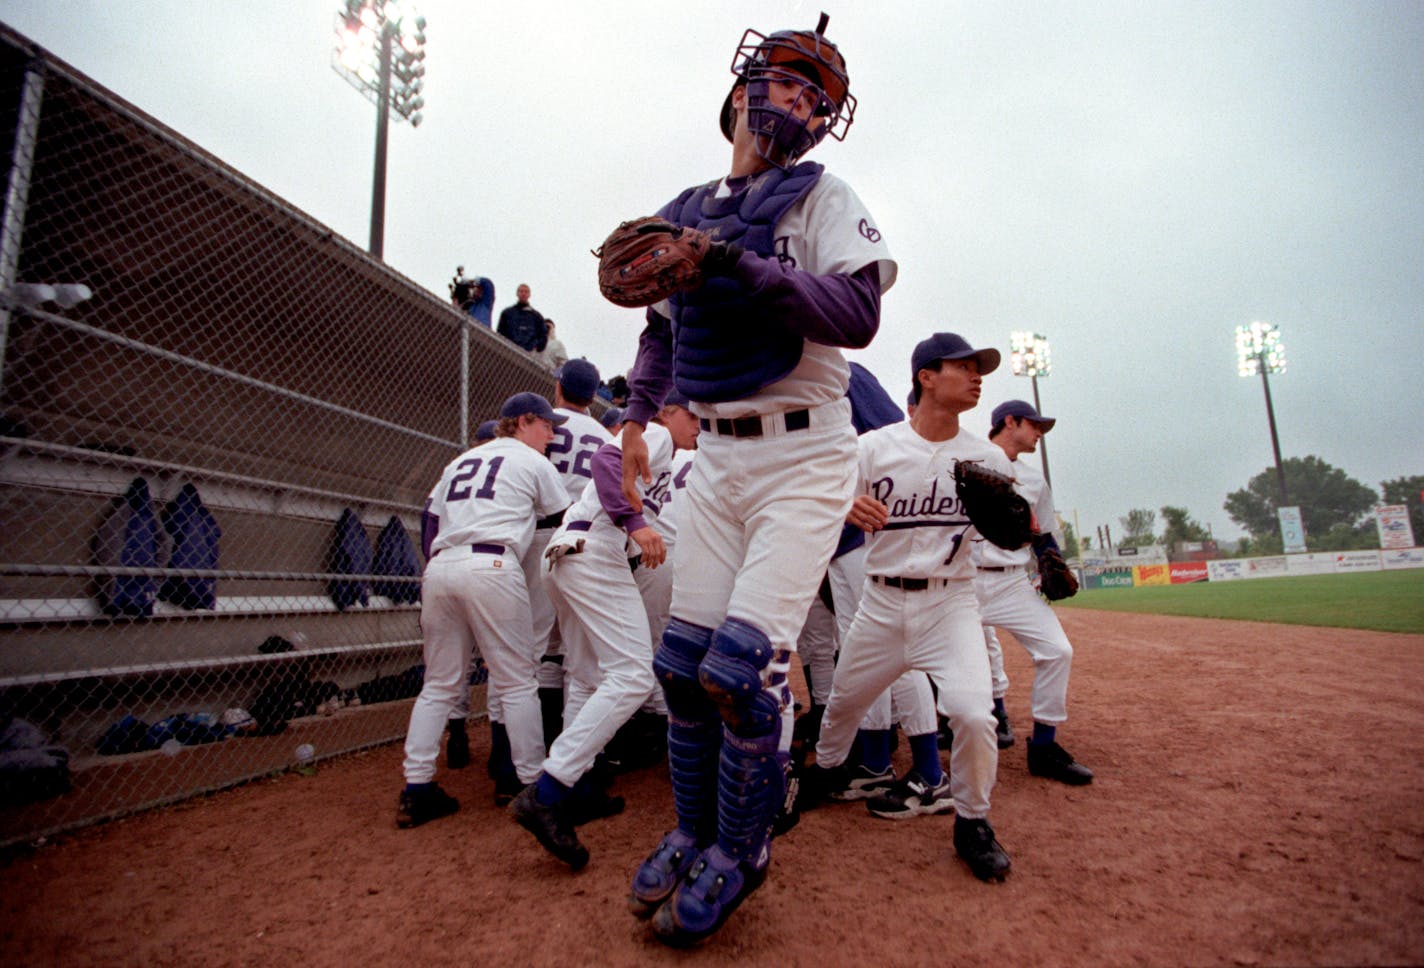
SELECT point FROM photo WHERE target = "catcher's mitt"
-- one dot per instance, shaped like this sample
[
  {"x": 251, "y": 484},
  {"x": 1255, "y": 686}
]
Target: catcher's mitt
[
  {"x": 648, "y": 259},
  {"x": 995, "y": 508},
  {"x": 1056, "y": 579}
]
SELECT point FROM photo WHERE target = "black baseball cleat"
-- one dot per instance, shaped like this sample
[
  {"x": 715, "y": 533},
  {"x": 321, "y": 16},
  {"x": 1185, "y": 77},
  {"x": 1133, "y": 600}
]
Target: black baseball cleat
[
  {"x": 593, "y": 806},
  {"x": 1003, "y": 732},
  {"x": 425, "y": 803},
  {"x": 550, "y": 826},
  {"x": 506, "y": 788},
  {"x": 975, "y": 844},
  {"x": 457, "y": 746},
  {"x": 1054, "y": 762}
]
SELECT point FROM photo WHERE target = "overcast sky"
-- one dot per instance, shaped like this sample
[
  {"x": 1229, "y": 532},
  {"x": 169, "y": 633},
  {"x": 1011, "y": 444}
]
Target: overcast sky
[{"x": 1133, "y": 180}]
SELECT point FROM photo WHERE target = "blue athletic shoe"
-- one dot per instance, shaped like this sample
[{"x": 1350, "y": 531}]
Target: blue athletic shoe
[
  {"x": 658, "y": 875},
  {"x": 703, "y": 901}
]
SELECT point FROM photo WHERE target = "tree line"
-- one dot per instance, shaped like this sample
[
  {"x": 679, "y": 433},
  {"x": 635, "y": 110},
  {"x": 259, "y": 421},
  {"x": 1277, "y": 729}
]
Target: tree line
[{"x": 1336, "y": 509}]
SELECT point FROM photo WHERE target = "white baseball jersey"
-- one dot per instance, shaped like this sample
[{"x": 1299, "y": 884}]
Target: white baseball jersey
[
  {"x": 1030, "y": 484},
  {"x": 914, "y": 478},
  {"x": 590, "y": 509},
  {"x": 485, "y": 496},
  {"x": 829, "y": 230},
  {"x": 575, "y": 442},
  {"x": 662, "y": 497}
]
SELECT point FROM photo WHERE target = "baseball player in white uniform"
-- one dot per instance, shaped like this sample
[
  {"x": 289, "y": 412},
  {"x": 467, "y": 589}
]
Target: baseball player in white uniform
[
  {"x": 918, "y": 610},
  {"x": 457, "y": 743},
  {"x": 1008, "y": 600},
  {"x": 575, "y": 442},
  {"x": 478, "y": 522},
  {"x": 755, "y": 347},
  {"x": 608, "y": 648}
]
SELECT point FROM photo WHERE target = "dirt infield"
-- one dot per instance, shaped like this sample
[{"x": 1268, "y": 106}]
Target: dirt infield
[{"x": 1259, "y": 801}]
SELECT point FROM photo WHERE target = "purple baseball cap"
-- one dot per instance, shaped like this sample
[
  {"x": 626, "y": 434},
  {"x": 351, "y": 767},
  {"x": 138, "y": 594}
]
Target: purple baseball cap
[
  {"x": 1024, "y": 410},
  {"x": 951, "y": 346},
  {"x": 580, "y": 379},
  {"x": 522, "y": 403},
  {"x": 486, "y": 430}
]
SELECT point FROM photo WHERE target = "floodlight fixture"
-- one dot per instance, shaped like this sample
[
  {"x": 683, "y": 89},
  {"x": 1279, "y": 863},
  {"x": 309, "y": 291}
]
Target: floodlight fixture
[
  {"x": 1259, "y": 350},
  {"x": 380, "y": 49},
  {"x": 1030, "y": 356}
]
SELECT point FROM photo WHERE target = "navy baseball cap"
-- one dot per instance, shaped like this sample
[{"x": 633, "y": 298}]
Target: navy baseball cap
[
  {"x": 580, "y": 379},
  {"x": 611, "y": 416},
  {"x": 1023, "y": 409},
  {"x": 951, "y": 346},
  {"x": 486, "y": 430},
  {"x": 522, "y": 403},
  {"x": 676, "y": 398}
]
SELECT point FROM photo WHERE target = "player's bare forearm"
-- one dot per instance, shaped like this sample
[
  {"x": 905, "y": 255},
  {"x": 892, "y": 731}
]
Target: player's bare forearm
[
  {"x": 635, "y": 464},
  {"x": 868, "y": 514},
  {"x": 651, "y": 543}
]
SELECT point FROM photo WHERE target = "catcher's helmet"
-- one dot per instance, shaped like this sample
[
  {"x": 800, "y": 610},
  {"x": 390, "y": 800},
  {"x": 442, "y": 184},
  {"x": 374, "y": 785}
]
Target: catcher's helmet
[{"x": 803, "y": 56}]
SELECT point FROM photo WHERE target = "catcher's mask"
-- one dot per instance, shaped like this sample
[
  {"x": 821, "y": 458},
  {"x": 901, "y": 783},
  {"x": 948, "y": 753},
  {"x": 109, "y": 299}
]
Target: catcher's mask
[{"x": 806, "y": 58}]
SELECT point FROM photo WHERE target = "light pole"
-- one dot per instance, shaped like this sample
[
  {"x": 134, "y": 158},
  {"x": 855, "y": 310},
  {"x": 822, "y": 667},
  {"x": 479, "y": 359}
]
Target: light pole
[
  {"x": 1259, "y": 350},
  {"x": 1028, "y": 356},
  {"x": 380, "y": 47}
]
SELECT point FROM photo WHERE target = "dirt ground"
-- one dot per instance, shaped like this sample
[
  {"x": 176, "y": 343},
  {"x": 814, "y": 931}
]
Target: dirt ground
[{"x": 1259, "y": 801}]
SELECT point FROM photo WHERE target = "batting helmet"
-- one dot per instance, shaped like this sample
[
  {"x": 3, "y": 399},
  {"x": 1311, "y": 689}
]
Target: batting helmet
[{"x": 807, "y": 58}]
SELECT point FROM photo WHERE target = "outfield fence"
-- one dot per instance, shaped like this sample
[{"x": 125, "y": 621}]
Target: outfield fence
[
  {"x": 218, "y": 424},
  {"x": 1236, "y": 569}
]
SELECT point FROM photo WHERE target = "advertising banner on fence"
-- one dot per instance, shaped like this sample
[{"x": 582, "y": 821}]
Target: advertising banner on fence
[
  {"x": 1404, "y": 558},
  {"x": 1265, "y": 567},
  {"x": 1322, "y": 563},
  {"x": 1395, "y": 530},
  {"x": 1184, "y": 572},
  {"x": 1226, "y": 570},
  {"x": 1357, "y": 561},
  {"x": 1152, "y": 575},
  {"x": 1109, "y": 577}
]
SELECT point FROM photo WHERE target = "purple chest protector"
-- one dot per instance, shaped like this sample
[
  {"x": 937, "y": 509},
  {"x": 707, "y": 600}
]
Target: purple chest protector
[{"x": 724, "y": 346}]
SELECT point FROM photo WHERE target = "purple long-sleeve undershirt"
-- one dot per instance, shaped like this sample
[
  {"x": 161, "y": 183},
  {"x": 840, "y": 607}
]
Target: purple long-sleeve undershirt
[
  {"x": 838, "y": 309},
  {"x": 607, "y": 467}
]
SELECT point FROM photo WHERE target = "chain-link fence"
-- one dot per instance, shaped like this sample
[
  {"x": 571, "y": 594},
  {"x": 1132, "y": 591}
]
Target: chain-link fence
[{"x": 218, "y": 423}]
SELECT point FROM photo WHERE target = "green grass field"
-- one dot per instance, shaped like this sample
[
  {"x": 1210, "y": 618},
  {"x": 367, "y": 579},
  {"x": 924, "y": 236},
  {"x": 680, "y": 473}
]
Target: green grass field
[{"x": 1385, "y": 601}]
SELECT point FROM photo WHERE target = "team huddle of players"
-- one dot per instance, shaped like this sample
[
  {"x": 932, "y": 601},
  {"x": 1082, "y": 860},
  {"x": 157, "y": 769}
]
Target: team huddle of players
[{"x": 806, "y": 476}]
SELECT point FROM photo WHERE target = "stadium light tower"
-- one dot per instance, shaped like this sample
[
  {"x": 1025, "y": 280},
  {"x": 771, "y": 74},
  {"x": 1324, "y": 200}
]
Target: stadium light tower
[
  {"x": 1259, "y": 350},
  {"x": 1029, "y": 356},
  {"x": 380, "y": 47}
]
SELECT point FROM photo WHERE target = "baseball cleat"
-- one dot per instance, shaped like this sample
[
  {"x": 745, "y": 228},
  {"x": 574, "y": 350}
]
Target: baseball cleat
[
  {"x": 506, "y": 788},
  {"x": 975, "y": 844},
  {"x": 714, "y": 888},
  {"x": 595, "y": 806},
  {"x": 425, "y": 803},
  {"x": 1054, "y": 762},
  {"x": 657, "y": 876},
  {"x": 1003, "y": 732},
  {"x": 861, "y": 783},
  {"x": 912, "y": 796},
  {"x": 550, "y": 826}
]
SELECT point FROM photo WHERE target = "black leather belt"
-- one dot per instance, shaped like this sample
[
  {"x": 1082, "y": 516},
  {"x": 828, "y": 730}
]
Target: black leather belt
[
  {"x": 752, "y": 426},
  {"x": 550, "y": 521},
  {"x": 487, "y": 549},
  {"x": 996, "y": 568},
  {"x": 910, "y": 584}
]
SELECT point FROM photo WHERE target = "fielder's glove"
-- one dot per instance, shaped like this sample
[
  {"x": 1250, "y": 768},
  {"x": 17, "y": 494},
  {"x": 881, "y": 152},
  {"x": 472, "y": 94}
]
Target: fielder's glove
[
  {"x": 649, "y": 259},
  {"x": 1056, "y": 579},
  {"x": 998, "y": 511}
]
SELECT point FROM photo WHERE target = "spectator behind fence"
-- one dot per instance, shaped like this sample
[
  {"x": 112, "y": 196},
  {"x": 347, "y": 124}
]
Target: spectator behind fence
[
  {"x": 522, "y": 324},
  {"x": 474, "y": 295},
  {"x": 554, "y": 353}
]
